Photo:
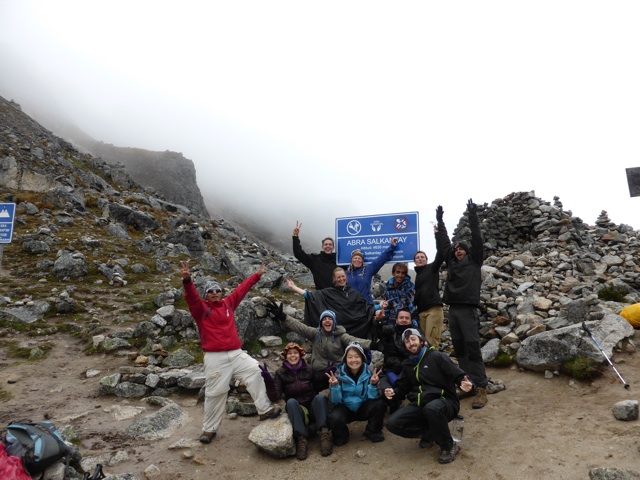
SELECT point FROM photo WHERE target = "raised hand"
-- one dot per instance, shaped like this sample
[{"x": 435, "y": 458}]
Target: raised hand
[
  {"x": 262, "y": 270},
  {"x": 264, "y": 371},
  {"x": 296, "y": 229},
  {"x": 394, "y": 242},
  {"x": 471, "y": 206},
  {"x": 375, "y": 376},
  {"x": 184, "y": 269},
  {"x": 333, "y": 380},
  {"x": 276, "y": 311},
  {"x": 439, "y": 213},
  {"x": 331, "y": 367}
]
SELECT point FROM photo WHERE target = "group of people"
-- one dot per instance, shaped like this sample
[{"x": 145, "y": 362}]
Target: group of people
[{"x": 342, "y": 324}]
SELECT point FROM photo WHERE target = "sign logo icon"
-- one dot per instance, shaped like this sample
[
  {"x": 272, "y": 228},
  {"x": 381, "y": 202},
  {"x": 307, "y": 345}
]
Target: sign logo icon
[
  {"x": 376, "y": 226},
  {"x": 401, "y": 223},
  {"x": 354, "y": 227}
]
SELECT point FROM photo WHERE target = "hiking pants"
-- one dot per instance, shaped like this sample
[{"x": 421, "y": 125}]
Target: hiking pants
[
  {"x": 305, "y": 421},
  {"x": 430, "y": 422},
  {"x": 464, "y": 325},
  {"x": 341, "y": 416},
  {"x": 220, "y": 368},
  {"x": 431, "y": 321}
]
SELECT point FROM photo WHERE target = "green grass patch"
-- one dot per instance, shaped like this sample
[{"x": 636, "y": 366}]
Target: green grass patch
[
  {"x": 582, "y": 368},
  {"x": 611, "y": 294},
  {"x": 14, "y": 350},
  {"x": 502, "y": 360}
]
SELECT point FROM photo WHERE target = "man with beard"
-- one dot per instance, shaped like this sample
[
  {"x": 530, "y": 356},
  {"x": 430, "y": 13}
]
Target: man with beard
[{"x": 428, "y": 379}]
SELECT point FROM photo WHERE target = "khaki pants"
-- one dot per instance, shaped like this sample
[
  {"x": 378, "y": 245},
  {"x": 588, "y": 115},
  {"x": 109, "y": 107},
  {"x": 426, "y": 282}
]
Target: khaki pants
[{"x": 431, "y": 321}]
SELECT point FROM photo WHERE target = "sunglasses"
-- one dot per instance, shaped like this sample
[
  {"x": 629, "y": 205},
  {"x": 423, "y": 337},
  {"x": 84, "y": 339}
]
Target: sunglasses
[{"x": 214, "y": 290}]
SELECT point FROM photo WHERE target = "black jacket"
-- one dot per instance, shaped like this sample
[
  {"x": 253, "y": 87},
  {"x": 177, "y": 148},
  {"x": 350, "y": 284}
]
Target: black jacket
[
  {"x": 463, "y": 278},
  {"x": 321, "y": 264},
  {"x": 292, "y": 383},
  {"x": 427, "y": 283},
  {"x": 433, "y": 377},
  {"x": 392, "y": 347}
]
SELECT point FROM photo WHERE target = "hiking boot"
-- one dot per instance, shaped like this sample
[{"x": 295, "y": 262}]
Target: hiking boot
[
  {"x": 448, "y": 456},
  {"x": 273, "y": 412},
  {"x": 462, "y": 394},
  {"x": 374, "y": 437},
  {"x": 206, "y": 437},
  {"x": 301, "y": 448},
  {"x": 326, "y": 443},
  {"x": 480, "y": 400}
]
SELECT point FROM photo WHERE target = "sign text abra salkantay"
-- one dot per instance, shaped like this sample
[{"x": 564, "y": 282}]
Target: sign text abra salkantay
[
  {"x": 7, "y": 213},
  {"x": 373, "y": 234}
]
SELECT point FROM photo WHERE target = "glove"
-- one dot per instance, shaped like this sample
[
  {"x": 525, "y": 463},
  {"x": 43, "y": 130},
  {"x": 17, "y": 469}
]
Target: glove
[
  {"x": 264, "y": 371},
  {"x": 331, "y": 367},
  {"x": 471, "y": 206},
  {"x": 276, "y": 311},
  {"x": 439, "y": 213}
]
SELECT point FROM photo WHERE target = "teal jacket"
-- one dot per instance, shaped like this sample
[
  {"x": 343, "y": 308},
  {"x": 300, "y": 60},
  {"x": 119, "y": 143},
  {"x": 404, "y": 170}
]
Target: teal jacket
[{"x": 350, "y": 393}]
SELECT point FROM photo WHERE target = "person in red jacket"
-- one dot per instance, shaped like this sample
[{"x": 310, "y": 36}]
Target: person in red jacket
[{"x": 224, "y": 358}]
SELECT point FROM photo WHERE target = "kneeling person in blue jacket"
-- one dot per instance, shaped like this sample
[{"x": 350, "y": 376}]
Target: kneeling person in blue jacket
[
  {"x": 428, "y": 380},
  {"x": 354, "y": 396}
]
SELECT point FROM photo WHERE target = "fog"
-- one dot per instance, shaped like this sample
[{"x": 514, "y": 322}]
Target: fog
[{"x": 297, "y": 111}]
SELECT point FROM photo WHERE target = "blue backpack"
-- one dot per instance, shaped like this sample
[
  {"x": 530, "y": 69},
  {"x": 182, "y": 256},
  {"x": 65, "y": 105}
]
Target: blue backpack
[{"x": 38, "y": 444}]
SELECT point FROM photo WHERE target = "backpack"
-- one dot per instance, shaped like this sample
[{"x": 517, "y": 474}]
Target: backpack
[{"x": 38, "y": 444}]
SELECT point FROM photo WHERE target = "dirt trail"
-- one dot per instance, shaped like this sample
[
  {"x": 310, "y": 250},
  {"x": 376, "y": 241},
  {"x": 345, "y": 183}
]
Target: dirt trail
[{"x": 537, "y": 428}]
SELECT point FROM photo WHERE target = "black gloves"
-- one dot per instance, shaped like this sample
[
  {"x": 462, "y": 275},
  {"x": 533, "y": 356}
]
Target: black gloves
[
  {"x": 439, "y": 213},
  {"x": 275, "y": 311},
  {"x": 331, "y": 368},
  {"x": 471, "y": 207},
  {"x": 264, "y": 371}
]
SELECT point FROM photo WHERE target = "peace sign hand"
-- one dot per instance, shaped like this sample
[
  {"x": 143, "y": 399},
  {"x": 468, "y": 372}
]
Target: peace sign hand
[
  {"x": 296, "y": 229},
  {"x": 184, "y": 269},
  {"x": 375, "y": 376},
  {"x": 333, "y": 380}
]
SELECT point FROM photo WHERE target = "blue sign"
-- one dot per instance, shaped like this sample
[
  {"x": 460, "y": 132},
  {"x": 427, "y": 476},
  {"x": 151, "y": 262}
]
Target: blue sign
[
  {"x": 7, "y": 214},
  {"x": 373, "y": 234}
]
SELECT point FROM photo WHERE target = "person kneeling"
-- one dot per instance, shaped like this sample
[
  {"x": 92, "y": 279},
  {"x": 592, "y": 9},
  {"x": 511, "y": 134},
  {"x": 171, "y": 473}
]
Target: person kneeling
[
  {"x": 428, "y": 380},
  {"x": 354, "y": 396}
]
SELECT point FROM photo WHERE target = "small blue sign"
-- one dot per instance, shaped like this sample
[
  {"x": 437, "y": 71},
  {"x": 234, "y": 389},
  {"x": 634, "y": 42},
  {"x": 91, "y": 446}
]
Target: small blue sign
[
  {"x": 7, "y": 215},
  {"x": 373, "y": 234}
]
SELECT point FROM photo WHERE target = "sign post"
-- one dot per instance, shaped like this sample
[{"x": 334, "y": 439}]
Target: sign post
[
  {"x": 373, "y": 234},
  {"x": 633, "y": 179},
  {"x": 7, "y": 215}
]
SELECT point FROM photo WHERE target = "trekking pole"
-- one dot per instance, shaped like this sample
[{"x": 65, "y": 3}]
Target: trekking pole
[{"x": 584, "y": 326}]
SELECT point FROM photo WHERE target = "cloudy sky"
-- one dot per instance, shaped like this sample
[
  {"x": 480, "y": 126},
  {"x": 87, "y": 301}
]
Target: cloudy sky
[{"x": 310, "y": 111}]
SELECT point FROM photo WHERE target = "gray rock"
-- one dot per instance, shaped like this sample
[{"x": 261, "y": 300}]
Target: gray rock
[
  {"x": 626, "y": 410},
  {"x": 275, "y": 437},
  {"x": 160, "y": 424}
]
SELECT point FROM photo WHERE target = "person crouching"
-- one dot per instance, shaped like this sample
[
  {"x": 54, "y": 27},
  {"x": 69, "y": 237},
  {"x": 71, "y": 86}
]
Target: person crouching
[{"x": 354, "y": 396}]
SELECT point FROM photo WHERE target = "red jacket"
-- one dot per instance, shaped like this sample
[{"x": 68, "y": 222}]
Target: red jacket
[{"x": 215, "y": 320}]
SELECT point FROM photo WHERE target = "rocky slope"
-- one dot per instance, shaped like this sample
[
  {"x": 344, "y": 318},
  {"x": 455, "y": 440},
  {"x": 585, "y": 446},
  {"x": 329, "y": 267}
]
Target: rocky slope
[{"x": 95, "y": 254}]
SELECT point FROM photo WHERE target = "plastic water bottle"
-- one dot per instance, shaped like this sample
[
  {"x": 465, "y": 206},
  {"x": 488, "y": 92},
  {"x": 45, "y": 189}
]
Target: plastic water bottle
[{"x": 457, "y": 429}]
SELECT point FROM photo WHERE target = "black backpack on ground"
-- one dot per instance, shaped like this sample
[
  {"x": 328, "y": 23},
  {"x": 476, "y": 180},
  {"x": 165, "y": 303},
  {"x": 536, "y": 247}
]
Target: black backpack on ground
[{"x": 38, "y": 444}]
